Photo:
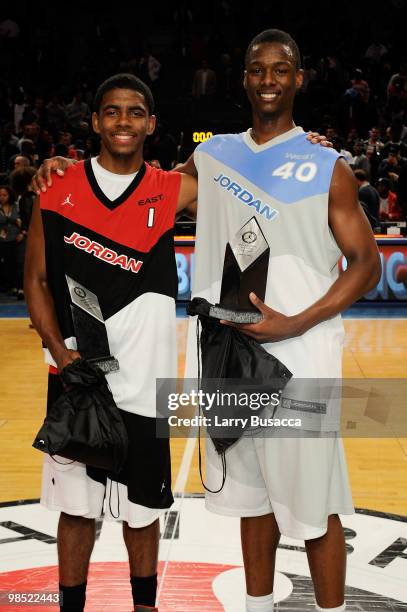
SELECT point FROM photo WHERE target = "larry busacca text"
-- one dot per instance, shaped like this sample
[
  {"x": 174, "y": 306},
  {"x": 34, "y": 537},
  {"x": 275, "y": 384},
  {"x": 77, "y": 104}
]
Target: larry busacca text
[{"x": 253, "y": 420}]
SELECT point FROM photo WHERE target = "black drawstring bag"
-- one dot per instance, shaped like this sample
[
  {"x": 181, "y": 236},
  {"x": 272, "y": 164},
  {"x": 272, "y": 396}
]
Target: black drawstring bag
[
  {"x": 84, "y": 424},
  {"x": 229, "y": 354}
]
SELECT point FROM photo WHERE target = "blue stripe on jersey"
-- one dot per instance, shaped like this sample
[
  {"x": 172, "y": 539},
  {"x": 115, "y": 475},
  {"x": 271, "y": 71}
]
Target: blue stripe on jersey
[{"x": 301, "y": 169}]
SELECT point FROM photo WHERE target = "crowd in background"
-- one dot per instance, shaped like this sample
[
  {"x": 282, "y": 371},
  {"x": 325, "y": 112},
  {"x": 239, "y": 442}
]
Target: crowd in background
[{"x": 191, "y": 54}]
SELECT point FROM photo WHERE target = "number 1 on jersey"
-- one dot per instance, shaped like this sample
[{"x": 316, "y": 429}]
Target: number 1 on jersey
[{"x": 150, "y": 221}]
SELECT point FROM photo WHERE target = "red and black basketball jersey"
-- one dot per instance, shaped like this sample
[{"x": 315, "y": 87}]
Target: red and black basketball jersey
[{"x": 123, "y": 251}]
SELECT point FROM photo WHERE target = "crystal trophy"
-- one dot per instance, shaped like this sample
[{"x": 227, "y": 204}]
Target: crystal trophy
[
  {"x": 90, "y": 329},
  {"x": 244, "y": 270}
]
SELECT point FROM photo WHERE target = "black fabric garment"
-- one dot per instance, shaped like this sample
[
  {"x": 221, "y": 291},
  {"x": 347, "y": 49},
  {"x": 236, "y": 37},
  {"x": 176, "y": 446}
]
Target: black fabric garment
[
  {"x": 370, "y": 201},
  {"x": 25, "y": 204},
  {"x": 84, "y": 424},
  {"x": 144, "y": 590},
  {"x": 7, "y": 150},
  {"x": 73, "y": 597},
  {"x": 8, "y": 265},
  {"x": 233, "y": 363},
  {"x": 401, "y": 190}
]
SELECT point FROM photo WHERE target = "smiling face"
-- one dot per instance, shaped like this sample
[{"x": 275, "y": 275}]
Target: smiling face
[
  {"x": 271, "y": 79},
  {"x": 123, "y": 122}
]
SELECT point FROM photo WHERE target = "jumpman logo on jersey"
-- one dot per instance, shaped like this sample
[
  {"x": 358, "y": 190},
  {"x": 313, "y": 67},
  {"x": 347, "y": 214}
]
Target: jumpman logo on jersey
[{"x": 68, "y": 200}]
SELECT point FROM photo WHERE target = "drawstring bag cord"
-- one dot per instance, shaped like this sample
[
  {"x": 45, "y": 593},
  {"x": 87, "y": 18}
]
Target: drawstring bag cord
[
  {"x": 62, "y": 462},
  {"x": 223, "y": 457},
  {"x": 110, "y": 490},
  {"x": 117, "y": 484},
  {"x": 110, "y": 499}
]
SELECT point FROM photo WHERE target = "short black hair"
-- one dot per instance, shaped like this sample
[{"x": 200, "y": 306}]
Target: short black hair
[
  {"x": 275, "y": 36},
  {"x": 385, "y": 182},
  {"x": 124, "y": 81},
  {"x": 360, "y": 174},
  {"x": 20, "y": 179}
]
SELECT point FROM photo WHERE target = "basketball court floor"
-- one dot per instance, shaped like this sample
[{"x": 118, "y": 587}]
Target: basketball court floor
[{"x": 200, "y": 559}]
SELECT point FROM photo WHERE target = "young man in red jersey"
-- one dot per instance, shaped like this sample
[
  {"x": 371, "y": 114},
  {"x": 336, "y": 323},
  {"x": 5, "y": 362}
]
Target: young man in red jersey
[{"x": 108, "y": 226}]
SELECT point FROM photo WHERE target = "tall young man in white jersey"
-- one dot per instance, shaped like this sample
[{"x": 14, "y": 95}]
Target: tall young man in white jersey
[
  {"x": 295, "y": 487},
  {"x": 104, "y": 211}
]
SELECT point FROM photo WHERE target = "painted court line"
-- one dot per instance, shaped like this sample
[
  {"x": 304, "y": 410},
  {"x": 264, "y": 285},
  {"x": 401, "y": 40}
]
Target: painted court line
[
  {"x": 179, "y": 488},
  {"x": 185, "y": 466}
]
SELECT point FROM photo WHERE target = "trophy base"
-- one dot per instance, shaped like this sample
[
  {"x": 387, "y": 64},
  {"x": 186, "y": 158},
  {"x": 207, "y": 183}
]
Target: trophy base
[
  {"x": 106, "y": 364},
  {"x": 235, "y": 316}
]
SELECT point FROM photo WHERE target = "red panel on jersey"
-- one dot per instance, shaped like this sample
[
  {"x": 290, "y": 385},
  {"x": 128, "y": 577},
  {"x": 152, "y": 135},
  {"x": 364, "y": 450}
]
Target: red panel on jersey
[{"x": 138, "y": 222}]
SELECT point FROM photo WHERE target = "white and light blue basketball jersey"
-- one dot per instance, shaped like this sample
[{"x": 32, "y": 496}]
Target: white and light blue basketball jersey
[{"x": 284, "y": 184}]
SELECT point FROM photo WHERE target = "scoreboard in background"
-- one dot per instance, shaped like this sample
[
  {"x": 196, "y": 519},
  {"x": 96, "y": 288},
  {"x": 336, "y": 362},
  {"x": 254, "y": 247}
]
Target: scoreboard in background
[
  {"x": 198, "y": 137},
  {"x": 392, "y": 286}
]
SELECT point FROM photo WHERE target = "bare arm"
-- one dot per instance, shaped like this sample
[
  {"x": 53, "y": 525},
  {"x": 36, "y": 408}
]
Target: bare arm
[
  {"x": 354, "y": 236},
  {"x": 187, "y": 201},
  {"x": 39, "y": 299},
  {"x": 188, "y": 167}
]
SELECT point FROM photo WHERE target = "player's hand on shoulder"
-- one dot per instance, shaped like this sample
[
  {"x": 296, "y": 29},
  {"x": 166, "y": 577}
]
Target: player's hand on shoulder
[
  {"x": 273, "y": 327},
  {"x": 43, "y": 177},
  {"x": 316, "y": 138}
]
